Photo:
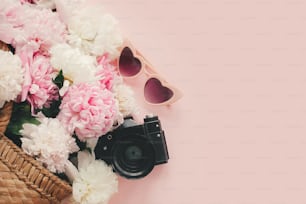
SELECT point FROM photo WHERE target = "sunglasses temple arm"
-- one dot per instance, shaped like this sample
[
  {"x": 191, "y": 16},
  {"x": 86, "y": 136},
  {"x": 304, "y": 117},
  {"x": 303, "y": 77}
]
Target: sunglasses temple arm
[{"x": 148, "y": 67}]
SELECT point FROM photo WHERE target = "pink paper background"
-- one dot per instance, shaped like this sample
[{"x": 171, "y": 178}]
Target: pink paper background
[{"x": 238, "y": 135}]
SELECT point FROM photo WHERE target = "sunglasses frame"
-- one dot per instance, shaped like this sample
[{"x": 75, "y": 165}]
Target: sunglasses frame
[{"x": 150, "y": 72}]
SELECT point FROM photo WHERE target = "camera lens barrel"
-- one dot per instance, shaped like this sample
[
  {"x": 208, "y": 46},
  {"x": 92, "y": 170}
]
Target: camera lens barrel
[{"x": 133, "y": 158}]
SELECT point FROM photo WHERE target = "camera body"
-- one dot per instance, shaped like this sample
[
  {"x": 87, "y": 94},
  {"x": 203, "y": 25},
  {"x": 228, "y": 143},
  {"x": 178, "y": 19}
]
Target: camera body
[{"x": 133, "y": 149}]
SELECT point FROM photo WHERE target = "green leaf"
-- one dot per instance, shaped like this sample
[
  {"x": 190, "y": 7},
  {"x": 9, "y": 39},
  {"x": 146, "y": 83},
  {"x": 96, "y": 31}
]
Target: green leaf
[
  {"x": 59, "y": 80},
  {"x": 53, "y": 110},
  {"x": 21, "y": 114}
]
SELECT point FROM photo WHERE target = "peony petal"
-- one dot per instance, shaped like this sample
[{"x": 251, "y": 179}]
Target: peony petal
[
  {"x": 91, "y": 143},
  {"x": 71, "y": 171},
  {"x": 84, "y": 159}
]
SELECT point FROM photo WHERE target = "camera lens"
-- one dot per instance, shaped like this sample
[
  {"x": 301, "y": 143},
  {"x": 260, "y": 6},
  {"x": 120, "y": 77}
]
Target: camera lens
[
  {"x": 133, "y": 157},
  {"x": 133, "y": 153}
]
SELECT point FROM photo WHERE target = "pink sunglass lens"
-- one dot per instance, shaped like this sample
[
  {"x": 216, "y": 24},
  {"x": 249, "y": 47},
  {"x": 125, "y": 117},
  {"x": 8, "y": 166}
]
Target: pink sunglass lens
[
  {"x": 128, "y": 64},
  {"x": 155, "y": 92}
]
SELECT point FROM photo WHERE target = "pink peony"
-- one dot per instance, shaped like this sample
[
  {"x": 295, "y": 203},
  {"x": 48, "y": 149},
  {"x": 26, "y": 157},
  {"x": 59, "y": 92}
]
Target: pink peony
[
  {"x": 38, "y": 87},
  {"x": 106, "y": 72},
  {"x": 23, "y": 23},
  {"x": 88, "y": 110}
]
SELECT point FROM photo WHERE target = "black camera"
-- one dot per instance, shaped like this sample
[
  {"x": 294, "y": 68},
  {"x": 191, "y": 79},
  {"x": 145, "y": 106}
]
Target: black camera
[{"x": 134, "y": 149}]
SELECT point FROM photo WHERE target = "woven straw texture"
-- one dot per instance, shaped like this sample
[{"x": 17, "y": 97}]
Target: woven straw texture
[
  {"x": 5, "y": 115},
  {"x": 23, "y": 180}
]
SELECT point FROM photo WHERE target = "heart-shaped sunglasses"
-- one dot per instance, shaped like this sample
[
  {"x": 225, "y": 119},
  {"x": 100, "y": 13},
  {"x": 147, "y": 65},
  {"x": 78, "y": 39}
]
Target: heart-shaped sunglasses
[{"x": 157, "y": 91}]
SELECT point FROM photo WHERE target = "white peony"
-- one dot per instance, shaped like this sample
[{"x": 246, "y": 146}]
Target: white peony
[
  {"x": 126, "y": 100},
  {"x": 95, "y": 183},
  {"x": 11, "y": 76},
  {"x": 76, "y": 66},
  {"x": 91, "y": 29},
  {"x": 49, "y": 142}
]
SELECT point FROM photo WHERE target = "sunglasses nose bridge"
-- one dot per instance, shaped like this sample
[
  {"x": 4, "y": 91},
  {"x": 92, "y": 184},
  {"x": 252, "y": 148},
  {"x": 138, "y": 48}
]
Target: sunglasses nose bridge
[{"x": 157, "y": 91}]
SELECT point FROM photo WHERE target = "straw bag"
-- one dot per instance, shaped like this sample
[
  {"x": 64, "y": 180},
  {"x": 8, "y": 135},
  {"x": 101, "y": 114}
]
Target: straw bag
[{"x": 22, "y": 178}]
